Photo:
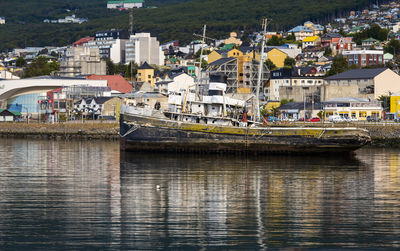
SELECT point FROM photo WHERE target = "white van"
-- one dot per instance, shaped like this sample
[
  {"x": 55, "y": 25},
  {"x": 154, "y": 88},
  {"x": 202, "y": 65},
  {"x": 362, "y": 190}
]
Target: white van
[{"x": 336, "y": 119}]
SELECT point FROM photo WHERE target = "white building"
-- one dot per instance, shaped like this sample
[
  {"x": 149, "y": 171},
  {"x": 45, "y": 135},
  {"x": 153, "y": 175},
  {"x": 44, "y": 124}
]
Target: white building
[
  {"x": 141, "y": 48},
  {"x": 177, "y": 83},
  {"x": 2, "y": 20},
  {"x": 125, "y": 4},
  {"x": 29, "y": 91},
  {"x": 113, "y": 49}
]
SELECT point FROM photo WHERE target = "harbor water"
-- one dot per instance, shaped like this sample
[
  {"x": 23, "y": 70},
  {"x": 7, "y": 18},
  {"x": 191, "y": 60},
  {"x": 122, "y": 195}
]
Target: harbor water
[{"x": 86, "y": 195}]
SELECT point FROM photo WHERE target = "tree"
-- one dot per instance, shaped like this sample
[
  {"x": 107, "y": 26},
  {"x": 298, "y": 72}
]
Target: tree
[
  {"x": 120, "y": 69},
  {"x": 285, "y": 101},
  {"x": 289, "y": 62},
  {"x": 20, "y": 62},
  {"x": 385, "y": 99},
  {"x": 393, "y": 47},
  {"x": 291, "y": 37},
  {"x": 111, "y": 69},
  {"x": 131, "y": 70},
  {"x": 339, "y": 64},
  {"x": 41, "y": 67},
  {"x": 375, "y": 31},
  {"x": 328, "y": 52},
  {"x": 275, "y": 41},
  {"x": 271, "y": 66}
]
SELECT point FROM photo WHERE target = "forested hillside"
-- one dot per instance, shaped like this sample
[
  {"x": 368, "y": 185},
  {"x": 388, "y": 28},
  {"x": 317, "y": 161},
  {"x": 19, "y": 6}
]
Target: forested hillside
[{"x": 173, "y": 19}]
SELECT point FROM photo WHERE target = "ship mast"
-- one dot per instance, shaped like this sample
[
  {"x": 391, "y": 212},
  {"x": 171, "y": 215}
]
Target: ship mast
[{"x": 260, "y": 68}]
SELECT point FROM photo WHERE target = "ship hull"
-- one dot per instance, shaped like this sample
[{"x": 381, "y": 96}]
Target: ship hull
[{"x": 142, "y": 133}]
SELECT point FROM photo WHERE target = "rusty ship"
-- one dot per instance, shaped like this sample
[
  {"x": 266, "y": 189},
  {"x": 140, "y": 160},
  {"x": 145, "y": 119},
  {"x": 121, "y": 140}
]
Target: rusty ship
[{"x": 210, "y": 125}]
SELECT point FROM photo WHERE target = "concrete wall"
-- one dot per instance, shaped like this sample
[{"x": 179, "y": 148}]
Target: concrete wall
[{"x": 297, "y": 93}]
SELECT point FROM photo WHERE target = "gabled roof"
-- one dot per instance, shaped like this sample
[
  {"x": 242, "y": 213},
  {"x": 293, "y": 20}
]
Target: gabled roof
[
  {"x": 145, "y": 65},
  {"x": 371, "y": 39},
  {"x": 115, "y": 82},
  {"x": 5, "y": 112},
  {"x": 358, "y": 74},
  {"x": 330, "y": 36},
  {"x": 102, "y": 100},
  {"x": 221, "y": 61}
]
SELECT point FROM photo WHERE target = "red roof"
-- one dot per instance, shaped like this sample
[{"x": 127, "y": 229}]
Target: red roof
[
  {"x": 82, "y": 41},
  {"x": 115, "y": 82}
]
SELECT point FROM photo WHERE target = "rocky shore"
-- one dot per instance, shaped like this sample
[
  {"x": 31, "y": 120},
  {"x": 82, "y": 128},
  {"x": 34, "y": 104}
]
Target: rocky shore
[{"x": 383, "y": 135}]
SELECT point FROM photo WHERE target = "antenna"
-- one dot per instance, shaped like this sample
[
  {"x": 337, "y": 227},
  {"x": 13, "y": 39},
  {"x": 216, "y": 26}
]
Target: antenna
[{"x": 260, "y": 67}]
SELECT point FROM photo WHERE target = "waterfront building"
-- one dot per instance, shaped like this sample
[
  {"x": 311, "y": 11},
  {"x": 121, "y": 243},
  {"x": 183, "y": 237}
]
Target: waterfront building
[
  {"x": 297, "y": 84},
  {"x": 361, "y": 83},
  {"x": 297, "y": 110},
  {"x": 79, "y": 61},
  {"x": 30, "y": 92},
  {"x": 141, "y": 48},
  {"x": 98, "y": 107},
  {"x": 60, "y": 101},
  {"x": 349, "y": 107}
]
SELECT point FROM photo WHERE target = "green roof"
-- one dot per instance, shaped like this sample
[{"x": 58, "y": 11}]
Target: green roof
[{"x": 227, "y": 47}]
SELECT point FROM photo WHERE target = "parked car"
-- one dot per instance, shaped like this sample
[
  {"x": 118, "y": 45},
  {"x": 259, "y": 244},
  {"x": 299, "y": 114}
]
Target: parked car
[
  {"x": 373, "y": 119},
  {"x": 336, "y": 119},
  {"x": 314, "y": 119},
  {"x": 352, "y": 119}
]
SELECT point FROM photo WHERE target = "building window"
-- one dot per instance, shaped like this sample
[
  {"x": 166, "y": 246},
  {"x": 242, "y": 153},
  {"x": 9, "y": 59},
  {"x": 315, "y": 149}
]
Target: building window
[{"x": 149, "y": 76}]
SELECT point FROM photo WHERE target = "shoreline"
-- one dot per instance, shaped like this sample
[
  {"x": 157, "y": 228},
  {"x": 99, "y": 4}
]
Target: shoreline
[
  {"x": 62, "y": 131},
  {"x": 382, "y": 135}
]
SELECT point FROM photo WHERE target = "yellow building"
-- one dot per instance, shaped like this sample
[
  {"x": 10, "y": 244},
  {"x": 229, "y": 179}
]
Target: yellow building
[
  {"x": 311, "y": 41},
  {"x": 277, "y": 57},
  {"x": 353, "y": 108},
  {"x": 145, "y": 73},
  {"x": 395, "y": 104}
]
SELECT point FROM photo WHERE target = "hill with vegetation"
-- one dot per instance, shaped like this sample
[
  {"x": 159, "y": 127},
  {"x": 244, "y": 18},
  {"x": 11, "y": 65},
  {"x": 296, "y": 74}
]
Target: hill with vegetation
[{"x": 172, "y": 19}]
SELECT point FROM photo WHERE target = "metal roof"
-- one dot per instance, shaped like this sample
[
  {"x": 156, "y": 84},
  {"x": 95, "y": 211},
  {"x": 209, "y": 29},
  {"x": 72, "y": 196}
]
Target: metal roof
[{"x": 358, "y": 74}]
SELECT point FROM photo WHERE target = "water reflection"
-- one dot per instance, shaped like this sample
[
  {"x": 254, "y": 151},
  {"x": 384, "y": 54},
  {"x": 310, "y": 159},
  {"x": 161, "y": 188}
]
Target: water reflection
[{"x": 74, "y": 195}]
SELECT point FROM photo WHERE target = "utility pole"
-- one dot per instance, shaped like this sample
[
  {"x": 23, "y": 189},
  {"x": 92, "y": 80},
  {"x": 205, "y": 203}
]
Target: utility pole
[{"x": 260, "y": 67}]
